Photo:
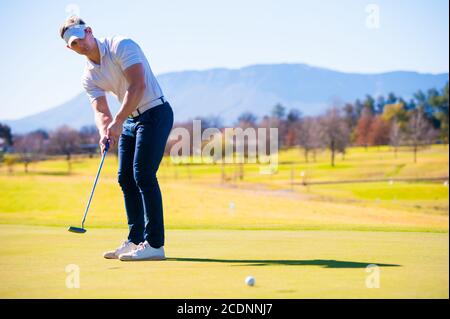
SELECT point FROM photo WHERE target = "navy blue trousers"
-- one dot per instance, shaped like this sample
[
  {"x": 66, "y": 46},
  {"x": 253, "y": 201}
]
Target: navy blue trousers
[{"x": 141, "y": 148}]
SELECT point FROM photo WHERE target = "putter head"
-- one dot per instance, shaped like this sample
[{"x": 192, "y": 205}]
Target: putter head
[{"x": 77, "y": 230}]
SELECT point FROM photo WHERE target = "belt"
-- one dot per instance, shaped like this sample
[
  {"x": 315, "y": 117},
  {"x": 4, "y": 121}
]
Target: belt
[{"x": 147, "y": 106}]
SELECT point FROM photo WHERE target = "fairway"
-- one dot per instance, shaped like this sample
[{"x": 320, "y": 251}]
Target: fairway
[{"x": 214, "y": 264}]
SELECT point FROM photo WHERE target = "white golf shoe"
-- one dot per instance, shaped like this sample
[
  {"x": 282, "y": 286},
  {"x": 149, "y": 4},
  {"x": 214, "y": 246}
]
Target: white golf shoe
[
  {"x": 144, "y": 252},
  {"x": 126, "y": 247}
]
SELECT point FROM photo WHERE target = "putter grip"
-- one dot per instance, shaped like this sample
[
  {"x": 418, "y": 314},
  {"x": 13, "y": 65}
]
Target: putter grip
[{"x": 106, "y": 146}]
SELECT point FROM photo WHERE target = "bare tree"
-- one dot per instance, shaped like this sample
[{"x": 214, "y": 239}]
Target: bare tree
[
  {"x": 334, "y": 132},
  {"x": 89, "y": 137},
  {"x": 309, "y": 136},
  {"x": 30, "y": 147},
  {"x": 419, "y": 131},
  {"x": 65, "y": 140},
  {"x": 395, "y": 135}
]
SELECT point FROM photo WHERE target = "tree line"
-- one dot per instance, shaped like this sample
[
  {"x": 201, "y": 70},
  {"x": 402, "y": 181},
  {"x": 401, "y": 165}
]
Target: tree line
[
  {"x": 39, "y": 144},
  {"x": 384, "y": 120}
]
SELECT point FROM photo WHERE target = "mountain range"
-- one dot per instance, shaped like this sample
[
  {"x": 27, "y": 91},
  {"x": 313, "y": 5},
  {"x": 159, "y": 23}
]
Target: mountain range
[{"x": 227, "y": 93}]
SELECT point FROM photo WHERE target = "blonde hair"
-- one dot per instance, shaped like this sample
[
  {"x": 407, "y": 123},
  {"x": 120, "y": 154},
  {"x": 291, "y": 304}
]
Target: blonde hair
[{"x": 70, "y": 21}]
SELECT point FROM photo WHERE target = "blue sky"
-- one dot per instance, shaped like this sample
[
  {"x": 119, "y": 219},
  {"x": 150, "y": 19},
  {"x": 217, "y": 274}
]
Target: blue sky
[{"x": 38, "y": 72}]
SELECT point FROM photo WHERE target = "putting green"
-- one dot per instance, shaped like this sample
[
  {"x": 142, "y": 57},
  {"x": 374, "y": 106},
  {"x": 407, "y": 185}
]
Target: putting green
[{"x": 214, "y": 264}]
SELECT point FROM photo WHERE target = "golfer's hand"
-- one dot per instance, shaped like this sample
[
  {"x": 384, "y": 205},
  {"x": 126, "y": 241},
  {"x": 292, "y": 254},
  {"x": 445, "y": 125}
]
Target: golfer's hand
[
  {"x": 113, "y": 131},
  {"x": 102, "y": 143}
]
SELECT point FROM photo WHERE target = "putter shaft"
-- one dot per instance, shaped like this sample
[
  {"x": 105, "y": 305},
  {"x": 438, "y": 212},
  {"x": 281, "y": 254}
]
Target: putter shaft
[{"x": 95, "y": 184}]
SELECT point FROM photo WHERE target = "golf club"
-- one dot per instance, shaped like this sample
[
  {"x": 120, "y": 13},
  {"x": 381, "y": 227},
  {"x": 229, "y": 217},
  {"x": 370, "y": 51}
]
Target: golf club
[{"x": 82, "y": 230}]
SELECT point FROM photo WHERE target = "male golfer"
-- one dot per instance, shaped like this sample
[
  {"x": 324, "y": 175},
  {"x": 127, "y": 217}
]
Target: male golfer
[{"x": 141, "y": 128}]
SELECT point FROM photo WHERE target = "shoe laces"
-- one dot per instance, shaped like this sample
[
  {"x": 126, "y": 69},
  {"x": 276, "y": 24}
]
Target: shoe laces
[
  {"x": 142, "y": 245},
  {"x": 125, "y": 243}
]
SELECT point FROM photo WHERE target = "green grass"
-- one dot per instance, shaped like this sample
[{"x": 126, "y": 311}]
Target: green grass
[
  {"x": 60, "y": 201},
  {"x": 194, "y": 197},
  {"x": 402, "y": 191},
  {"x": 297, "y": 241},
  {"x": 207, "y": 264},
  {"x": 397, "y": 192}
]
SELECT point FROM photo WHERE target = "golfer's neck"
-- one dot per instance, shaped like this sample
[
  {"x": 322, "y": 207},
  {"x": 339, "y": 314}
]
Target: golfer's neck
[{"x": 94, "y": 56}]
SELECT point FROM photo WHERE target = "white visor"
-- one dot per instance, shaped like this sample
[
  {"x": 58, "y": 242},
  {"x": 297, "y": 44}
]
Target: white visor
[{"x": 74, "y": 32}]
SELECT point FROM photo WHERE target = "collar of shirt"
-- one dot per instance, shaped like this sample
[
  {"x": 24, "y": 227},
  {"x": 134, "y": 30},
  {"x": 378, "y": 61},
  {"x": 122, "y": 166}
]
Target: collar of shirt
[{"x": 102, "y": 48}]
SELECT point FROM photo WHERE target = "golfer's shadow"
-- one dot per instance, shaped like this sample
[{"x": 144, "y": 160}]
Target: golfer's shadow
[{"x": 315, "y": 262}]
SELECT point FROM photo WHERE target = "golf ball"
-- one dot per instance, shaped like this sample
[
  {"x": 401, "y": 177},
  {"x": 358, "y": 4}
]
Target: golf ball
[{"x": 250, "y": 281}]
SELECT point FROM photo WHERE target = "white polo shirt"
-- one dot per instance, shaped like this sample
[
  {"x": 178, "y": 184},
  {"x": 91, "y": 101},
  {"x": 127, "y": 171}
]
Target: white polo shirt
[{"x": 116, "y": 55}]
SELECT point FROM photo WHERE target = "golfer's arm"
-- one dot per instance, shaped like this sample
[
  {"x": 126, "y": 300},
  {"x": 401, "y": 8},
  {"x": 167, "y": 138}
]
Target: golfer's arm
[
  {"x": 102, "y": 114},
  {"x": 135, "y": 76}
]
